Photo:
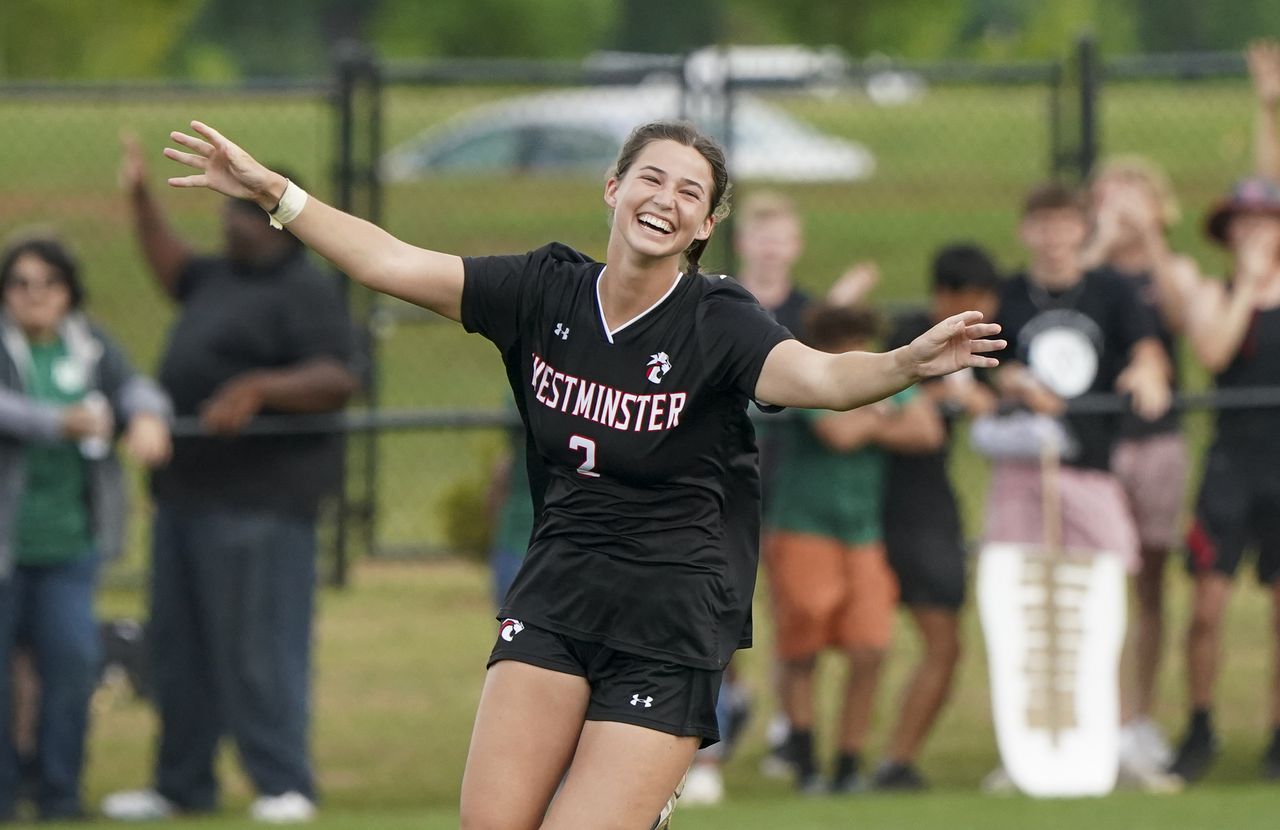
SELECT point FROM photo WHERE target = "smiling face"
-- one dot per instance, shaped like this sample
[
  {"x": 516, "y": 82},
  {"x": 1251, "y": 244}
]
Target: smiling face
[
  {"x": 662, "y": 202},
  {"x": 36, "y": 296}
]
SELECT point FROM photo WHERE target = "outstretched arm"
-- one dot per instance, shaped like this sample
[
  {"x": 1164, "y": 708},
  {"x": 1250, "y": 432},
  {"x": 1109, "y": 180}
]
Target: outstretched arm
[
  {"x": 165, "y": 251},
  {"x": 360, "y": 249},
  {"x": 796, "y": 375},
  {"x": 1264, "y": 68}
]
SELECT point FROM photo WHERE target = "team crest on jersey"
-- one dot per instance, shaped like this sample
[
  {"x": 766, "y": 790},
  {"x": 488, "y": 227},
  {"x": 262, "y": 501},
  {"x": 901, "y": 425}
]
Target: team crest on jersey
[
  {"x": 510, "y": 628},
  {"x": 659, "y": 365}
]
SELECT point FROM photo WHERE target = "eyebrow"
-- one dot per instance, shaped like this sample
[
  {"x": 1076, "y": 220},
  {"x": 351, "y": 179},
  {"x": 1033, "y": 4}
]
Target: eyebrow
[{"x": 693, "y": 182}]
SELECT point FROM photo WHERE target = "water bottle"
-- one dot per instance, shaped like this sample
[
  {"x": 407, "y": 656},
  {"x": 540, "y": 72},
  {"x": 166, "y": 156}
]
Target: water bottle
[{"x": 96, "y": 447}]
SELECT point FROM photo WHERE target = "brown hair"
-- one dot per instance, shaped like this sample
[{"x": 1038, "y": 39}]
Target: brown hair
[
  {"x": 1051, "y": 196},
  {"x": 828, "y": 327},
  {"x": 1151, "y": 176},
  {"x": 763, "y": 205},
  {"x": 687, "y": 134}
]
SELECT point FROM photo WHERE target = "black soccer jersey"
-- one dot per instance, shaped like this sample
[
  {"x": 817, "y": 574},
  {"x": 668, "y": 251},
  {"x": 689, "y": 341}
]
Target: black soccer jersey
[{"x": 648, "y": 531}]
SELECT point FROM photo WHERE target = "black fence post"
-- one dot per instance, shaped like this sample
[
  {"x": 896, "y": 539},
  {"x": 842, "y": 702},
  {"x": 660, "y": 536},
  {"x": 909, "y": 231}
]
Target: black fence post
[
  {"x": 1087, "y": 66},
  {"x": 357, "y": 187}
]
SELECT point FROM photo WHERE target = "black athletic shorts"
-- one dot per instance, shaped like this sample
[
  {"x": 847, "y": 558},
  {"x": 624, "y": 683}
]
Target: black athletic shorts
[
  {"x": 926, "y": 552},
  {"x": 1238, "y": 507},
  {"x": 625, "y": 688}
]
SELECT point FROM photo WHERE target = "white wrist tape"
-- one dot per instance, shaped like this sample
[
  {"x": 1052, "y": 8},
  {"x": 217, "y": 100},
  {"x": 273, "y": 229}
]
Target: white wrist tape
[{"x": 292, "y": 201}]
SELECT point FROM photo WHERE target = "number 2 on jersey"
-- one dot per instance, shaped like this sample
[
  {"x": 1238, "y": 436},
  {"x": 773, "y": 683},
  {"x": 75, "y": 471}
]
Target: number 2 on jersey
[{"x": 588, "y": 465}]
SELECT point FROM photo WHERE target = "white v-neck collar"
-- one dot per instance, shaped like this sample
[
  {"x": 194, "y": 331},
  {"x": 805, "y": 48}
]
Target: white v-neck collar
[{"x": 604, "y": 324}]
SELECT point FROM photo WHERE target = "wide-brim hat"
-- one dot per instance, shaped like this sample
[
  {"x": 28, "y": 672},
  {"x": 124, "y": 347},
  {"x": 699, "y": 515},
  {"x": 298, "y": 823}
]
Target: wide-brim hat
[{"x": 1252, "y": 195}]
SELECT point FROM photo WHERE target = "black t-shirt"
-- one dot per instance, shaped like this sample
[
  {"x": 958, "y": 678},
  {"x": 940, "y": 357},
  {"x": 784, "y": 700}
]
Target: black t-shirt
[
  {"x": 1076, "y": 342},
  {"x": 790, "y": 313},
  {"x": 917, "y": 487},
  {"x": 1131, "y": 425},
  {"x": 646, "y": 468},
  {"x": 1252, "y": 432},
  {"x": 233, "y": 320}
]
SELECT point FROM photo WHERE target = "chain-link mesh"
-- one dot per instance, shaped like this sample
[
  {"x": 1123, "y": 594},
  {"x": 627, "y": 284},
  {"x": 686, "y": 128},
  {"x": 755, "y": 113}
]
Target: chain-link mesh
[
  {"x": 884, "y": 163},
  {"x": 59, "y": 171}
]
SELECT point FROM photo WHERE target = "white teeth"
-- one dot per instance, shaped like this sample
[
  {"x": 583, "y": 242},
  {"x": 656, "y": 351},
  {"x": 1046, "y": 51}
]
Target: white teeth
[{"x": 660, "y": 224}]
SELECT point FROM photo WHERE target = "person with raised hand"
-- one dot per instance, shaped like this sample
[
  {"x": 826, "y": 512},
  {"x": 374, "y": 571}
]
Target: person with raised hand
[
  {"x": 261, "y": 331},
  {"x": 633, "y": 378}
]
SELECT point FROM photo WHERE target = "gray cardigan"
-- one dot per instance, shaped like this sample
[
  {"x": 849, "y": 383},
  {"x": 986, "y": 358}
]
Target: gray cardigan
[{"x": 24, "y": 420}]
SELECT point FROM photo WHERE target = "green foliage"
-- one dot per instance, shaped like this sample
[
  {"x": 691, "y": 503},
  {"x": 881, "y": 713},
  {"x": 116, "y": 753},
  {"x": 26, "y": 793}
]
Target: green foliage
[
  {"x": 74, "y": 40},
  {"x": 492, "y": 28},
  {"x": 467, "y": 530}
]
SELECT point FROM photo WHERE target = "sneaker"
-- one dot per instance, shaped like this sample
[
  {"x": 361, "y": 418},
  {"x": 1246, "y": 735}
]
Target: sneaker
[
  {"x": 1153, "y": 742},
  {"x": 812, "y": 785},
  {"x": 138, "y": 805},
  {"x": 663, "y": 822},
  {"x": 998, "y": 782},
  {"x": 287, "y": 808},
  {"x": 776, "y": 763},
  {"x": 898, "y": 777},
  {"x": 703, "y": 786},
  {"x": 1195, "y": 755},
  {"x": 1271, "y": 764},
  {"x": 850, "y": 784}
]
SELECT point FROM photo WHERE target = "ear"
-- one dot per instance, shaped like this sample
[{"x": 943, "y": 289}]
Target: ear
[
  {"x": 611, "y": 192},
  {"x": 708, "y": 225}
]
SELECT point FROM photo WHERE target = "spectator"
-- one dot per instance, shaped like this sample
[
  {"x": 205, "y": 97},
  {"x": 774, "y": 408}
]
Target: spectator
[
  {"x": 922, "y": 531},
  {"x": 1071, "y": 332},
  {"x": 831, "y": 585},
  {"x": 260, "y": 331},
  {"x": 1105, "y": 342},
  {"x": 1234, "y": 329},
  {"x": 769, "y": 241},
  {"x": 1132, "y": 208},
  {"x": 64, "y": 385}
]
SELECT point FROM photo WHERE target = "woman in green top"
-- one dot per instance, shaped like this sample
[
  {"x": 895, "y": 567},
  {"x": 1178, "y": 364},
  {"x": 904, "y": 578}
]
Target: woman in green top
[{"x": 63, "y": 387}]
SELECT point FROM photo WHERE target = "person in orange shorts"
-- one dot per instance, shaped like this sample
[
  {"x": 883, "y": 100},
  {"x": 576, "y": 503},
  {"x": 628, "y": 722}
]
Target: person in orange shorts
[{"x": 831, "y": 584}]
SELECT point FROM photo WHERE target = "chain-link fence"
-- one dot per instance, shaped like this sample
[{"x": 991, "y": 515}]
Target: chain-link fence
[{"x": 885, "y": 162}]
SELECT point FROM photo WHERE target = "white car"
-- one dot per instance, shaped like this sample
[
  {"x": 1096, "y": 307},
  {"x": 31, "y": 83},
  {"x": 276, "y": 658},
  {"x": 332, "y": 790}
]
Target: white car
[{"x": 579, "y": 132}]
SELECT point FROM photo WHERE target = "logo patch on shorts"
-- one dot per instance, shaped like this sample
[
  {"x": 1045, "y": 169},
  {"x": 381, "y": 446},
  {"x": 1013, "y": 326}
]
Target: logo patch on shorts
[
  {"x": 647, "y": 702},
  {"x": 510, "y": 628}
]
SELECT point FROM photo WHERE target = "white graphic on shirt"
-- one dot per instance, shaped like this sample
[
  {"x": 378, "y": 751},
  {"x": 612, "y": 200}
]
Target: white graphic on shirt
[
  {"x": 647, "y": 702},
  {"x": 510, "y": 628},
  {"x": 1063, "y": 359},
  {"x": 659, "y": 365},
  {"x": 562, "y": 331}
]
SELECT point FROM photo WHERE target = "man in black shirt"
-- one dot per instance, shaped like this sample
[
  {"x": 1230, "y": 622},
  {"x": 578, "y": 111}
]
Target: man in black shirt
[{"x": 260, "y": 331}]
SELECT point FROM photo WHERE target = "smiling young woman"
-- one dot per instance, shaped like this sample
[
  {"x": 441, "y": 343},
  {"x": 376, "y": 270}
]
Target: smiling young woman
[{"x": 633, "y": 382}]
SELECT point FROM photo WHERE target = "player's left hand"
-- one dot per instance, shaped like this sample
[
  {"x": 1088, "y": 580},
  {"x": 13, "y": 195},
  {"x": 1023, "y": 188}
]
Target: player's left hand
[
  {"x": 957, "y": 342},
  {"x": 224, "y": 165}
]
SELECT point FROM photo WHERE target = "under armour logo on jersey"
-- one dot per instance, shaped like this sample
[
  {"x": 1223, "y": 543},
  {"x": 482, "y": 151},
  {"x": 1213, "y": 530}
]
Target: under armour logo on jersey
[
  {"x": 659, "y": 365},
  {"x": 562, "y": 331},
  {"x": 636, "y": 700},
  {"x": 510, "y": 628}
]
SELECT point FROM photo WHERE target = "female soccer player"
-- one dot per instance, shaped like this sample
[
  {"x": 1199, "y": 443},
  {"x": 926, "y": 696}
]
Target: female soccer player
[{"x": 632, "y": 378}]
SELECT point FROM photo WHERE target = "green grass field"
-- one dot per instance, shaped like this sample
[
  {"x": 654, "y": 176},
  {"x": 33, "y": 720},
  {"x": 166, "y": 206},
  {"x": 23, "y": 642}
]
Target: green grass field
[{"x": 400, "y": 661}]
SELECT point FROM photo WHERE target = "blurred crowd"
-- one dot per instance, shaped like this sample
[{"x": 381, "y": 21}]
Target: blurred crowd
[{"x": 861, "y": 515}]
